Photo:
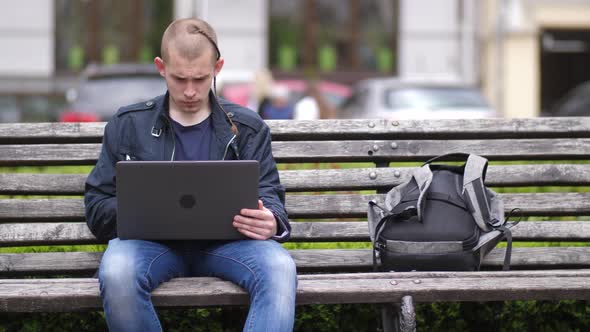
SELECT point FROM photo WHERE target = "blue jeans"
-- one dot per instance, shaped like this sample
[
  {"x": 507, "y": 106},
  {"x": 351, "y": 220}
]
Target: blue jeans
[{"x": 131, "y": 269}]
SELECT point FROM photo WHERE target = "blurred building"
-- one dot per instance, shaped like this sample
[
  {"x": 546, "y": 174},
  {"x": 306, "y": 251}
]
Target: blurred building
[
  {"x": 524, "y": 54},
  {"x": 533, "y": 52},
  {"x": 341, "y": 40}
]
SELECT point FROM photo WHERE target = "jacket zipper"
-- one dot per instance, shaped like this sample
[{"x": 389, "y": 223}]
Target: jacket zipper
[
  {"x": 173, "y": 147},
  {"x": 227, "y": 147}
]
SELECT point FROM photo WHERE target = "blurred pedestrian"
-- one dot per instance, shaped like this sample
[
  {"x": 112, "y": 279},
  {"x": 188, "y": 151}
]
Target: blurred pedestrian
[
  {"x": 314, "y": 105},
  {"x": 279, "y": 108},
  {"x": 262, "y": 89}
]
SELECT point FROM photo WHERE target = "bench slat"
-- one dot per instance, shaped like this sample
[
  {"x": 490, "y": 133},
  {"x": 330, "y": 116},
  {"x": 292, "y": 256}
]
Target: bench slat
[
  {"x": 450, "y": 274},
  {"x": 326, "y": 179},
  {"x": 51, "y": 132},
  {"x": 333, "y": 151},
  {"x": 384, "y": 178},
  {"x": 378, "y": 150},
  {"x": 439, "y": 128},
  {"x": 13, "y": 133},
  {"x": 42, "y": 184},
  {"x": 306, "y": 206},
  {"x": 51, "y": 295},
  {"x": 49, "y": 154},
  {"x": 307, "y": 260},
  {"x": 30, "y": 234}
]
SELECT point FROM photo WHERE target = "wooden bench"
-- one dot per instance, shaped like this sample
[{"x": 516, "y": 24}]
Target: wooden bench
[{"x": 346, "y": 164}]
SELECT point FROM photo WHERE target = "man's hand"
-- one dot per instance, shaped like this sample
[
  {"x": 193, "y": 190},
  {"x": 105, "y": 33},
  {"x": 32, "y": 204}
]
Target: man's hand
[{"x": 258, "y": 224}]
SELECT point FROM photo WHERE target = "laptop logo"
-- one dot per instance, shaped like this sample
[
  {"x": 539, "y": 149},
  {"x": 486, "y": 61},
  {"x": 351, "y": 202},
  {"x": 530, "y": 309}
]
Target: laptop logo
[{"x": 187, "y": 201}]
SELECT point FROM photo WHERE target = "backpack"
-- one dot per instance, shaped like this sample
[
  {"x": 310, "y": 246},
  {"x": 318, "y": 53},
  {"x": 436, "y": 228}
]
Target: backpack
[{"x": 442, "y": 219}]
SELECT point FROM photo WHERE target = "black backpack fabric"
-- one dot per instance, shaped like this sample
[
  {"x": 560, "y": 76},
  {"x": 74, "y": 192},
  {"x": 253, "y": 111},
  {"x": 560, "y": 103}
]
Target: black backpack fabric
[{"x": 442, "y": 219}]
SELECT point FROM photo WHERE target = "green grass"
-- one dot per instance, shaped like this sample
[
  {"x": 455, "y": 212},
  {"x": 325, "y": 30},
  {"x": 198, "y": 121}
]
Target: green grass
[
  {"x": 306, "y": 166},
  {"x": 545, "y": 189},
  {"x": 68, "y": 248},
  {"x": 48, "y": 169}
]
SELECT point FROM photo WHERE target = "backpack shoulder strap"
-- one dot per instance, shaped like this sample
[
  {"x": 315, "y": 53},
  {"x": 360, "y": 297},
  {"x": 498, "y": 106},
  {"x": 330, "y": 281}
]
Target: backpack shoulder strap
[
  {"x": 475, "y": 191},
  {"x": 423, "y": 178},
  {"x": 476, "y": 167}
]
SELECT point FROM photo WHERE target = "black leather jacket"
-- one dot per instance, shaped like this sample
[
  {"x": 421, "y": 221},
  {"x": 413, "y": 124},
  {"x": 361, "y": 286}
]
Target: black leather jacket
[{"x": 143, "y": 132}]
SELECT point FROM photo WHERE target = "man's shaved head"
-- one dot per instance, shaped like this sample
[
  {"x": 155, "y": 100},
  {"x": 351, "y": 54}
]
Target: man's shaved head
[{"x": 190, "y": 38}]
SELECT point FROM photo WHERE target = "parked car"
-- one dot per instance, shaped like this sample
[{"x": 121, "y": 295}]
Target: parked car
[
  {"x": 399, "y": 99},
  {"x": 9, "y": 110},
  {"x": 103, "y": 89},
  {"x": 30, "y": 108},
  {"x": 575, "y": 103},
  {"x": 242, "y": 92}
]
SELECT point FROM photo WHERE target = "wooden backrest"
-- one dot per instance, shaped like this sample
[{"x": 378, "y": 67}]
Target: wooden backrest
[{"x": 331, "y": 169}]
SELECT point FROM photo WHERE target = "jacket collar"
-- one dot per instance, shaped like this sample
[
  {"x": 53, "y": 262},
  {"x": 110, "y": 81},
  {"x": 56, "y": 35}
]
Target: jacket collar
[
  {"x": 220, "y": 119},
  {"x": 223, "y": 135}
]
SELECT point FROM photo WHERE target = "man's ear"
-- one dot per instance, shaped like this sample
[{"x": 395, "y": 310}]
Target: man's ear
[
  {"x": 218, "y": 65},
  {"x": 160, "y": 66}
]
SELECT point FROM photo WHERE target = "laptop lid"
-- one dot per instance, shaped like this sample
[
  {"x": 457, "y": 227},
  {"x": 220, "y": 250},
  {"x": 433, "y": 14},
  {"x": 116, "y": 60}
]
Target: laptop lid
[{"x": 182, "y": 200}]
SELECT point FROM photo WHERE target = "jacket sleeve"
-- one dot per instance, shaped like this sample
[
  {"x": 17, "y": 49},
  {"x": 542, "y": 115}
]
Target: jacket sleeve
[
  {"x": 270, "y": 190},
  {"x": 99, "y": 198}
]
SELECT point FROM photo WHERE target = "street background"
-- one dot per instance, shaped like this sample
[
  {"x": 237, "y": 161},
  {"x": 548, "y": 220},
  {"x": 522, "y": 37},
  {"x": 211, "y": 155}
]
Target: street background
[{"x": 523, "y": 55}]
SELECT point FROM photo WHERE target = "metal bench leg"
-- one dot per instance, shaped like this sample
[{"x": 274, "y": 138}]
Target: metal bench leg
[{"x": 399, "y": 317}]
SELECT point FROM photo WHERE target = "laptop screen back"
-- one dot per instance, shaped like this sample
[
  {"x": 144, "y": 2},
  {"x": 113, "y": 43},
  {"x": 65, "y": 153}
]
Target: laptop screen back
[{"x": 184, "y": 200}]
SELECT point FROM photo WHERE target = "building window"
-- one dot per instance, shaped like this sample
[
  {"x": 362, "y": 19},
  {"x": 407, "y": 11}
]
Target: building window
[
  {"x": 108, "y": 31},
  {"x": 326, "y": 36}
]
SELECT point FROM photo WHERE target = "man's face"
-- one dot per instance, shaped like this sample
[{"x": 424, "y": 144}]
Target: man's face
[{"x": 189, "y": 81}]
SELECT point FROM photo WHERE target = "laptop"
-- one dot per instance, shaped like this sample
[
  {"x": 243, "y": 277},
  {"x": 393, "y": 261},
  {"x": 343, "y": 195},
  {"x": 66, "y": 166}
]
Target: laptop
[{"x": 184, "y": 200}]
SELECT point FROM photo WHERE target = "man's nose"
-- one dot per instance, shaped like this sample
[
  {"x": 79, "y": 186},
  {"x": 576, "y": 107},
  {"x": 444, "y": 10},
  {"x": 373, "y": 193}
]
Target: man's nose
[{"x": 190, "y": 91}]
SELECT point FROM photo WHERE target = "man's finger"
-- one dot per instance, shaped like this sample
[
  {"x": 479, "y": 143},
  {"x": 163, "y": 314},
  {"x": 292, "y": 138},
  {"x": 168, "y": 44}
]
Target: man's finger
[
  {"x": 252, "y": 235},
  {"x": 257, "y": 214},
  {"x": 251, "y": 223},
  {"x": 262, "y": 231}
]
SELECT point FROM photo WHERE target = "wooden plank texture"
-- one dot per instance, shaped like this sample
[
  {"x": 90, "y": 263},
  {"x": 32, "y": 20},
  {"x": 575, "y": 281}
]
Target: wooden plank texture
[
  {"x": 307, "y": 260},
  {"x": 334, "y": 151},
  {"x": 12, "y": 133},
  {"x": 53, "y": 295},
  {"x": 58, "y": 132},
  {"x": 552, "y": 231},
  {"x": 382, "y": 178},
  {"x": 306, "y": 206},
  {"x": 450, "y": 274},
  {"x": 327, "y": 179},
  {"x": 412, "y": 150},
  {"x": 439, "y": 128},
  {"x": 30, "y": 234},
  {"x": 42, "y": 184}
]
